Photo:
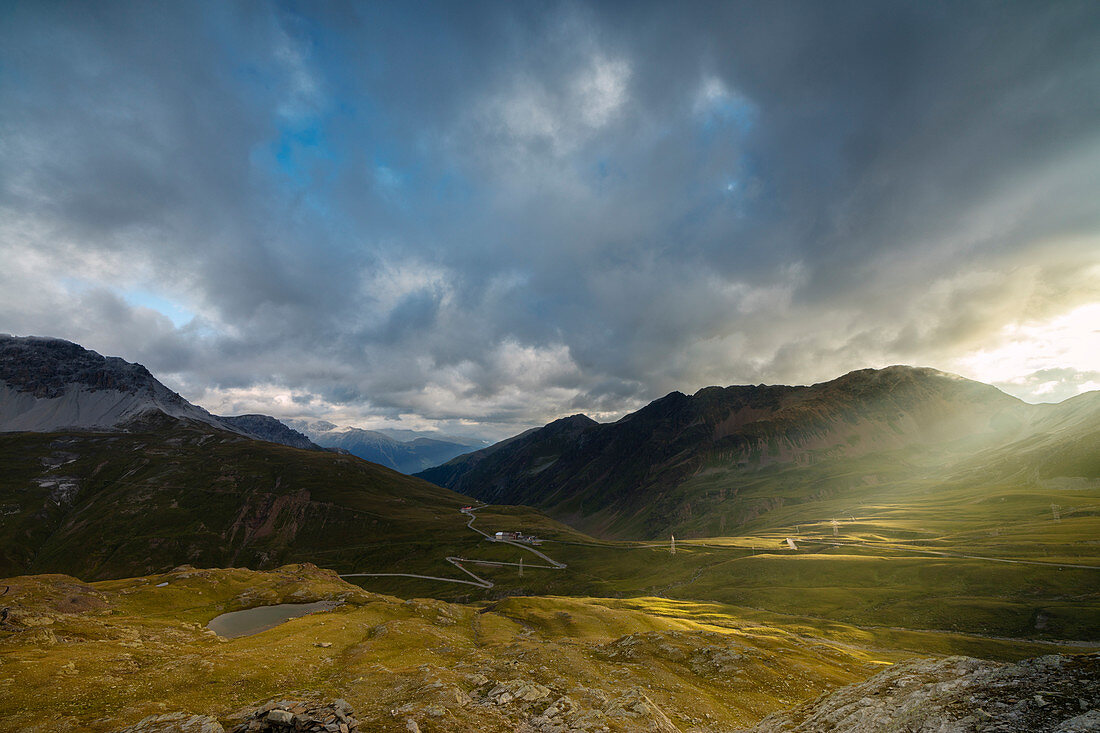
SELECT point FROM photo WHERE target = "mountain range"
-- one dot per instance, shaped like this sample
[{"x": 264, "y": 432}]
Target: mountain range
[
  {"x": 407, "y": 451},
  {"x": 848, "y": 525},
  {"x": 109, "y": 473},
  {"x": 707, "y": 463},
  {"x": 50, "y": 384}
]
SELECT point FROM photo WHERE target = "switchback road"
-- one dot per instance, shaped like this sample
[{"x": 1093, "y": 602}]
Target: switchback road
[{"x": 477, "y": 581}]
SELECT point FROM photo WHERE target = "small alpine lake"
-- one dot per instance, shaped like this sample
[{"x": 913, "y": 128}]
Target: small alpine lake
[{"x": 261, "y": 618}]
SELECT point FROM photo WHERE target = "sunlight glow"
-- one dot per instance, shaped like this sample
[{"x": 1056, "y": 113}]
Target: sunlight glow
[{"x": 1070, "y": 341}]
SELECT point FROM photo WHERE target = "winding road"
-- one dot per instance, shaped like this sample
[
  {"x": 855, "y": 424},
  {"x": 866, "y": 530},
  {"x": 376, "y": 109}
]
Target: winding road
[
  {"x": 477, "y": 581},
  {"x": 552, "y": 564}
]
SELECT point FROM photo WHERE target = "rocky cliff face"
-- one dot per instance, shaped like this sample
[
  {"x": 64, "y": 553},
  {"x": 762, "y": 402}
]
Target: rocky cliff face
[
  {"x": 1060, "y": 694},
  {"x": 46, "y": 368},
  {"x": 50, "y": 385}
]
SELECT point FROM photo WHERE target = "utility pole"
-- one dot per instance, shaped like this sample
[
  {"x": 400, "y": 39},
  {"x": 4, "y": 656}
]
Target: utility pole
[{"x": 521, "y": 567}]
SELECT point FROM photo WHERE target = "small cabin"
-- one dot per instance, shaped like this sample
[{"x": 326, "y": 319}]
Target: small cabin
[{"x": 517, "y": 537}]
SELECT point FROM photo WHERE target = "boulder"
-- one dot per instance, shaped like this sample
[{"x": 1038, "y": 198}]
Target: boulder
[
  {"x": 958, "y": 695},
  {"x": 280, "y": 717},
  {"x": 298, "y": 716},
  {"x": 518, "y": 691}
]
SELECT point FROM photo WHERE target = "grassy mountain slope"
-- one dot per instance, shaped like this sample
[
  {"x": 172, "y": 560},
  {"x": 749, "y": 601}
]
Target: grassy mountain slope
[
  {"x": 970, "y": 511},
  {"x": 624, "y": 478},
  {"x": 101, "y": 505},
  {"x": 96, "y": 657}
]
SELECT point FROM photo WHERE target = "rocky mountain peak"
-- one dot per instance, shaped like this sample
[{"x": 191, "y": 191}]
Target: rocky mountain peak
[
  {"x": 49, "y": 384},
  {"x": 573, "y": 422},
  {"x": 47, "y": 367}
]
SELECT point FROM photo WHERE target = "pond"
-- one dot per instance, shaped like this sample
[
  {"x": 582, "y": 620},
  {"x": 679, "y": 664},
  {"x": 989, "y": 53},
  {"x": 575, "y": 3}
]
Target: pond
[{"x": 254, "y": 620}]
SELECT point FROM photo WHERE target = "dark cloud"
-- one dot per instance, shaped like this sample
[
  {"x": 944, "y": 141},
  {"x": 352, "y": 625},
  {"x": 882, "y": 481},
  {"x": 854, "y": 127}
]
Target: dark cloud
[{"x": 498, "y": 213}]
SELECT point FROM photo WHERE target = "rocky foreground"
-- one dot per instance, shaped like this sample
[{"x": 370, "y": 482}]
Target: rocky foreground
[
  {"x": 1059, "y": 694},
  {"x": 135, "y": 655},
  {"x": 275, "y": 716},
  {"x": 1056, "y": 693}
]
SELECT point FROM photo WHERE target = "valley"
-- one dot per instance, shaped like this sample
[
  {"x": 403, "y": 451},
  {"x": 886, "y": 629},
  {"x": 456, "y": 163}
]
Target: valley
[
  {"x": 560, "y": 366},
  {"x": 701, "y": 564}
]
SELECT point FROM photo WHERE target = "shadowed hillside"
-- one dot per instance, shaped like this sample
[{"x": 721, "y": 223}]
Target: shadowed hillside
[
  {"x": 101, "y": 505},
  {"x": 623, "y": 478}
]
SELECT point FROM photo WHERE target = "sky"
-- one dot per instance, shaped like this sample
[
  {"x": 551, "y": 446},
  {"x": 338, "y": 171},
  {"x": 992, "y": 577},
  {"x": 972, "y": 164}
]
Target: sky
[{"x": 479, "y": 217}]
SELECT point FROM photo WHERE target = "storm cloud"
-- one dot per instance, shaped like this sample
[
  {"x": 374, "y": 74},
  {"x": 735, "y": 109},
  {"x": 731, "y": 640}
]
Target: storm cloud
[{"x": 483, "y": 216}]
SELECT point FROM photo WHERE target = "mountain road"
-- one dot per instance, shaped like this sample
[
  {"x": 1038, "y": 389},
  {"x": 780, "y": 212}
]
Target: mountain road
[{"x": 477, "y": 581}]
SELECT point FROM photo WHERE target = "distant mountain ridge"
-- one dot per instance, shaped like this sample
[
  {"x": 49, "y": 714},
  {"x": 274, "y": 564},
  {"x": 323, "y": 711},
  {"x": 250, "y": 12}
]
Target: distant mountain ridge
[
  {"x": 418, "y": 452},
  {"x": 634, "y": 477},
  {"x": 268, "y": 428},
  {"x": 49, "y": 385}
]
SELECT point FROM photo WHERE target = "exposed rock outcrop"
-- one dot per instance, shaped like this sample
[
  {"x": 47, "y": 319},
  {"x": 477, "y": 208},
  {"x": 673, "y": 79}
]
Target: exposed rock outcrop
[
  {"x": 298, "y": 716},
  {"x": 1055, "y": 693}
]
